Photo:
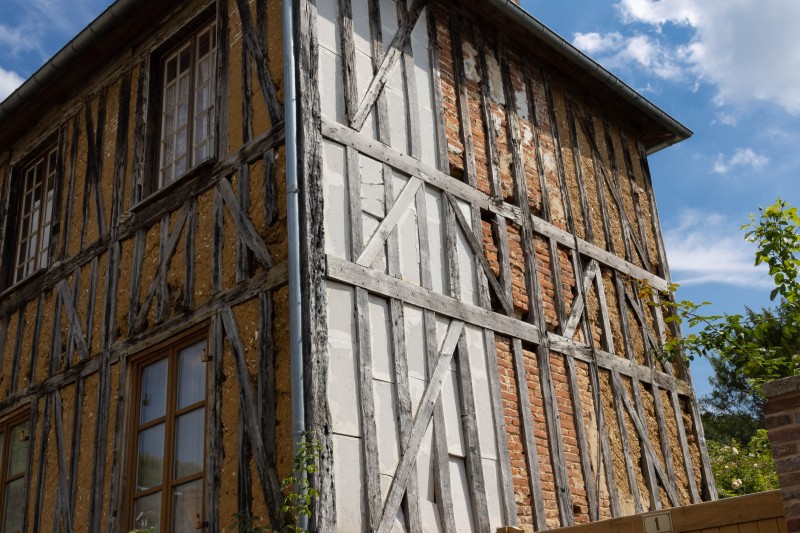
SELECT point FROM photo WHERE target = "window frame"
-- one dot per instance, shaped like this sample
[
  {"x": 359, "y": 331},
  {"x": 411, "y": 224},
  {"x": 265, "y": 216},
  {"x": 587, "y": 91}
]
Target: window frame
[
  {"x": 7, "y": 423},
  {"x": 14, "y": 205},
  {"x": 169, "y": 350},
  {"x": 152, "y": 182}
]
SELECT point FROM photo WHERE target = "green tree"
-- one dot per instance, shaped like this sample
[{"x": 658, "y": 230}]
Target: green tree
[
  {"x": 763, "y": 345},
  {"x": 746, "y": 350}
]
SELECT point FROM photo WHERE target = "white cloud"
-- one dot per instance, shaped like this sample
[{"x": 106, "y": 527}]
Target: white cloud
[
  {"x": 742, "y": 157},
  {"x": 709, "y": 248},
  {"x": 595, "y": 43},
  {"x": 748, "y": 49},
  {"x": 617, "y": 51},
  {"x": 9, "y": 81}
]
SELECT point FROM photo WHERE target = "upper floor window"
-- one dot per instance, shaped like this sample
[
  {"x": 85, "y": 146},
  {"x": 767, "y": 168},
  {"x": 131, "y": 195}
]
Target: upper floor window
[
  {"x": 14, "y": 444},
  {"x": 167, "y": 463},
  {"x": 187, "y": 105},
  {"x": 34, "y": 215}
]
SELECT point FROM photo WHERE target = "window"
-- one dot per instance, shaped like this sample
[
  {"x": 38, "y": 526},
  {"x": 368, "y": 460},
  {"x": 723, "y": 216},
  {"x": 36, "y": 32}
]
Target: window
[
  {"x": 167, "y": 463},
  {"x": 14, "y": 443},
  {"x": 187, "y": 105},
  {"x": 34, "y": 215}
]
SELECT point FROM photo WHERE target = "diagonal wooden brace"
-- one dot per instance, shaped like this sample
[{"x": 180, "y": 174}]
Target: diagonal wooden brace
[{"x": 420, "y": 427}]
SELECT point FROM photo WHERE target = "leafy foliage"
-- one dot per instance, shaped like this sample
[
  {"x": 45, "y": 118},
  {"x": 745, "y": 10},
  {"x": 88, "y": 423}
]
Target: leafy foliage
[
  {"x": 740, "y": 470},
  {"x": 299, "y": 494},
  {"x": 763, "y": 345}
]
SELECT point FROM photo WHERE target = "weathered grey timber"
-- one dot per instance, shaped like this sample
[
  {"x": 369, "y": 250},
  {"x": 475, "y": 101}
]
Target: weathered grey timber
[{"x": 463, "y": 275}]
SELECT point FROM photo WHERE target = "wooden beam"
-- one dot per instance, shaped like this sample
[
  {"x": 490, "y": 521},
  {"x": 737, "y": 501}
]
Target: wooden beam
[
  {"x": 389, "y": 62},
  {"x": 241, "y": 219},
  {"x": 259, "y": 56},
  {"x": 389, "y": 222},
  {"x": 421, "y": 421}
]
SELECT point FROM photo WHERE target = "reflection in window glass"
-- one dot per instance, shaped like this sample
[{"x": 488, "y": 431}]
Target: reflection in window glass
[
  {"x": 168, "y": 457},
  {"x": 147, "y": 512},
  {"x": 14, "y": 445}
]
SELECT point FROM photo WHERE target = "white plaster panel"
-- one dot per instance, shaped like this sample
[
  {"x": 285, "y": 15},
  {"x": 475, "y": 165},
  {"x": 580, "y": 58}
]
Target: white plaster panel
[
  {"x": 348, "y": 467},
  {"x": 397, "y": 109},
  {"x": 380, "y": 329},
  {"x": 491, "y": 479},
  {"x": 328, "y": 26},
  {"x": 452, "y": 415},
  {"x": 388, "y": 21},
  {"x": 372, "y": 187},
  {"x": 466, "y": 261},
  {"x": 415, "y": 342},
  {"x": 429, "y": 510},
  {"x": 336, "y": 200},
  {"x": 481, "y": 391},
  {"x": 420, "y": 32},
  {"x": 362, "y": 35},
  {"x": 343, "y": 364},
  {"x": 461, "y": 500},
  {"x": 427, "y": 119},
  {"x": 407, "y": 235},
  {"x": 433, "y": 201},
  {"x": 386, "y": 417},
  {"x": 330, "y": 85}
]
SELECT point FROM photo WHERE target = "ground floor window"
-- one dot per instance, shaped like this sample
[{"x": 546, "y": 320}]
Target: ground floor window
[
  {"x": 14, "y": 444},
  {"x": 167, "y": 459}
]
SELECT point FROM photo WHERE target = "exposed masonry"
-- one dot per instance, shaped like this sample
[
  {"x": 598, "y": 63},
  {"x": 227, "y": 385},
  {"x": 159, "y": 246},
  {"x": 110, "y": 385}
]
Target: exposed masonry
[
  {"x": 782, "y": 418},
  {"x": 475, "y": 232},
  {"x": 132, "y": 271},
  {"x": 465, "y": 184}
]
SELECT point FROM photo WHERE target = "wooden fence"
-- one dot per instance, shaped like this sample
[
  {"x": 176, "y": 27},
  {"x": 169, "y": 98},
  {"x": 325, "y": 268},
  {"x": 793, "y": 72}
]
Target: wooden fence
[{"x": 756, "y": 513}]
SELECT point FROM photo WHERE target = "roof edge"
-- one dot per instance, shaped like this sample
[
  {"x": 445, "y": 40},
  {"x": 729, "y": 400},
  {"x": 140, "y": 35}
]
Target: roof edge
[
  {"x": 56, "y": 65},
  {"x": 678, "y": 132}
]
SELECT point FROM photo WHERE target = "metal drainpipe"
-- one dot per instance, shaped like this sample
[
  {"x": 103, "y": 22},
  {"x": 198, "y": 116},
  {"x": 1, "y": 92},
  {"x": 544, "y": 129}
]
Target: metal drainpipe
[{"x": 293, "y": 223}]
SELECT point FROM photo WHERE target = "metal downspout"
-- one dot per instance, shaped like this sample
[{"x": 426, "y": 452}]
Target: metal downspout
[{"x": 293, "y": 223}]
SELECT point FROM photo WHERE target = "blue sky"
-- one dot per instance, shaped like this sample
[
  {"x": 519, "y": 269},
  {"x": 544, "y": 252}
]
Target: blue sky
[{"x": 729, "y": 70}]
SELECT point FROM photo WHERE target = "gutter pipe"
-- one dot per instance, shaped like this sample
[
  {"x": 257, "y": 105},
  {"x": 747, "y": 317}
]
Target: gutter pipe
[
  {"x": 48, "y": 73},
  {"x": 293, "y": 223},
  {"x": 678, "y": 131}
]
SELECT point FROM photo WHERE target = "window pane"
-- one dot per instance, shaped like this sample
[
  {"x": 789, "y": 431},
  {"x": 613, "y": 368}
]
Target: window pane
[
  {"x": 154, "y": 391},
  {"x": 12, "y": 514},
  {"x": 151, "y": 458},
  {"x": 187, "y": 507},
  {"x": 18, "y": 449},
  {"x": 147, "y": 512},
  {"x": 191, "y": 375},
  {"x": 189, "y": 443}
]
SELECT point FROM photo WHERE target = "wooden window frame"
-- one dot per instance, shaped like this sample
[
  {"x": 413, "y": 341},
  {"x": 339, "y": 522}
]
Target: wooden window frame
[
  {"x": 15, "y": 206},
  {"x": 168, "y": 349},
  {"x": 152, "y": 182},
  {"x": 6, "y": 424}
]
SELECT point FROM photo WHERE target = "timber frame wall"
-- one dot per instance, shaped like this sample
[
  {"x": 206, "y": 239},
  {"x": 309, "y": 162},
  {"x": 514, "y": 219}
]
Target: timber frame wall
[
  {"x": 129, "y": 272},
  {"x": 475, "y": 232},
  {"x": 481, "y": 352}
]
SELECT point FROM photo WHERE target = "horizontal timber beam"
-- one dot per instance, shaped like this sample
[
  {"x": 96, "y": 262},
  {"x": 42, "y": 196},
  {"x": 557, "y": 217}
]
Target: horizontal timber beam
[
  {"x": 247, "y": 290},
  {"x": 494, "y": 204},
  {"x": 390, "y": 287},
  {"x": 142, "y": 215}
]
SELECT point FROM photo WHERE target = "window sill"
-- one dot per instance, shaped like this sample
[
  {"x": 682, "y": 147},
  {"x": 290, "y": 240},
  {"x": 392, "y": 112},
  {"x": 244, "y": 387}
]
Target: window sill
[
  {"x": 176, "y": 186},
  {"x": 29, "y": 280}
]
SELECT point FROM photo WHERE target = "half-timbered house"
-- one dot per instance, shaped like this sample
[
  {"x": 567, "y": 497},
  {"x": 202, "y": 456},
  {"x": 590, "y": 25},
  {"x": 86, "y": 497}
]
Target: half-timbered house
[{"x": 415, "y": 231}]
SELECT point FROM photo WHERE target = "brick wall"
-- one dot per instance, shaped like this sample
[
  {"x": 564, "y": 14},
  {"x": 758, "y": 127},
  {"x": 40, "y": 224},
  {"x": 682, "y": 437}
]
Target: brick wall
[{"x": 782, "y": 418}]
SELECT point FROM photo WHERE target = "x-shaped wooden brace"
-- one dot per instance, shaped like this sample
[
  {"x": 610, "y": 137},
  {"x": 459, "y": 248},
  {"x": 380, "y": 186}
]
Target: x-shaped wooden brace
[
  {"x": 387, "y": 65},
  {"x": 420, "y": 427},
  {"x": 72, "y": 316}
]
